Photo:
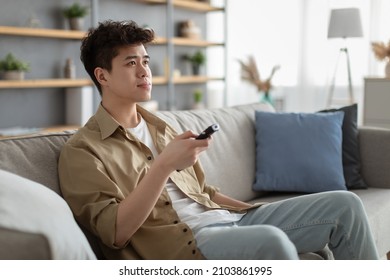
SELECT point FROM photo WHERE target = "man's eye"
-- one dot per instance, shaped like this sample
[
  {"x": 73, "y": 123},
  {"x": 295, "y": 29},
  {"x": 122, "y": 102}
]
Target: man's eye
[
  {"x": 146, "y": 62},
  {"x": 131, "y": 63}
]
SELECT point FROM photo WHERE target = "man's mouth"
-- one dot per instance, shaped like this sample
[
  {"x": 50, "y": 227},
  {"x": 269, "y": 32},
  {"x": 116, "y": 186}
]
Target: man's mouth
[{"x": 145, "y": 85}]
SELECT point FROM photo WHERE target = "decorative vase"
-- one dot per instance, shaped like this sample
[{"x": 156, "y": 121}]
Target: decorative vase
[
  {"x": 76, "y": 23},
  {"x": 198, "y": 105},
  {"x": 266, "y": 98},
  {"x": 387, "y": 69},
  {"x": 189, "y": 30},
  {"x": 13, "y": 75},
  {"x": 70, "y": 69},
  {"x": 195, "y": 69}
]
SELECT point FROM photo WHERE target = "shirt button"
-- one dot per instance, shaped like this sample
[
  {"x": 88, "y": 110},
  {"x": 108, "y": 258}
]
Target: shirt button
[
  {"x": 185, "y": 230},
  {"x": 149, "y": 157},
  {"x": 175, "y": 222},
  {"x": 189, "y": 242},
  {"x": 167, "y": 203},
  {"x": 193, "y": 252}
]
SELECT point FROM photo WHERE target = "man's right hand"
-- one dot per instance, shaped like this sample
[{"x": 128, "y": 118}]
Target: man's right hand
[{"x": 183, "y": 151}]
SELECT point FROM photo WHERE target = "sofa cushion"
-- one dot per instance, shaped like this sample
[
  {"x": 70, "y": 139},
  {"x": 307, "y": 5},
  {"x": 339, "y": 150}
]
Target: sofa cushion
[
  {"x": 299, "y": 152},
  {"x": 27, "y": 206},
  {"x": 351, "y": 152},
  {"x": 376, "y": 203}
]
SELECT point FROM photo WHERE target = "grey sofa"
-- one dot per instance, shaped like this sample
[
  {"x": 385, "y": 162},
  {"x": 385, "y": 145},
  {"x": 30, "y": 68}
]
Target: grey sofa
[{"x": 229, "y": 164}]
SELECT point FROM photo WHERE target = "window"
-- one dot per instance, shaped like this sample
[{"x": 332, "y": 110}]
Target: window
[{"x": 293, "y": 34}]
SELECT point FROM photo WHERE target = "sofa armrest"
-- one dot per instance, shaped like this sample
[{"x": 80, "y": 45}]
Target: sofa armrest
[{"x": 375, "y": 156}]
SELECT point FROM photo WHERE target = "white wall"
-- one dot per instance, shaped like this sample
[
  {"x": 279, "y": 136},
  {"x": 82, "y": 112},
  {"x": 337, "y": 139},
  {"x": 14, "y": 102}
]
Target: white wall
[{"x": 293, "y": 33}]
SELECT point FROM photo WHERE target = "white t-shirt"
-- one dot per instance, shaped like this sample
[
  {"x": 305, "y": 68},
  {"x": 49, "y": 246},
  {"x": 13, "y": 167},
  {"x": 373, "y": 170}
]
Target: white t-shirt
[{"x": 189, "y": 211}]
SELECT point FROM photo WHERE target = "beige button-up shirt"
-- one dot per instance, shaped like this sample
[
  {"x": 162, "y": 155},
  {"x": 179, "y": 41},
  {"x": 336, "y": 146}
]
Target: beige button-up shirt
[{"x": 103, "y": 163}]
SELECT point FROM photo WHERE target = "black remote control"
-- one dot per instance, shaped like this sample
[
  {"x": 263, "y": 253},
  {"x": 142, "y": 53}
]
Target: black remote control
[{"x": 208, "y": 131}]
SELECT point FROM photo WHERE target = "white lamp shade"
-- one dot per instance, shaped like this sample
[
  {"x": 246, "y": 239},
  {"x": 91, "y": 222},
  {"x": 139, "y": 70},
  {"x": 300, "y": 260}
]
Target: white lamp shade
[{"x": 345, "y": 23}]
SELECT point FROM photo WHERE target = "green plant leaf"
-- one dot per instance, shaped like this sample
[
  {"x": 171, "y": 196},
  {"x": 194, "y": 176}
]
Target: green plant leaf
[
  {"x": 75, "y": 11},
  {"x": 11, "y": 63}
]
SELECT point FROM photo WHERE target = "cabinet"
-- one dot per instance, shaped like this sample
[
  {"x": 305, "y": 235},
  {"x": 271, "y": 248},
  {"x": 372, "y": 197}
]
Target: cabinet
[{"x": 376, "y": 102}]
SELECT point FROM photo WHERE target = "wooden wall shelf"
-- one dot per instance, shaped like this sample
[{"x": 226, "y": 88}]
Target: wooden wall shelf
[
  {"x": 178, "y": 41},
  {"x": 185, "y": 80},
  {"x": 46, "y": 83},
  {"x": 185, "y": 4},
  {"x": 30, "y": 131},
  {"x": 41, "y": 32},
  {"x": 159, "y": 80},
  {"x": 67, "y": 83},
  {"x": 60, "y": 128},
  {"x": 181, "y": 41},
  {"x": 195, "y": 6},
  {"x": 194, "y": 79},
  {"x": 78, "y": 35},
  {"x": 160, "y": 41}
]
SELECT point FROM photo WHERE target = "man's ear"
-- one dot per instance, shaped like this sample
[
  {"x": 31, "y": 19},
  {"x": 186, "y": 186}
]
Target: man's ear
[{"x": 101, "y": 75}]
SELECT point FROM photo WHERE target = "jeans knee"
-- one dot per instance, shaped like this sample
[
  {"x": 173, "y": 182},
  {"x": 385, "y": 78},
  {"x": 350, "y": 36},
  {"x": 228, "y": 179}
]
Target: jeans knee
[
  {"x": 278, "y": 244},
  {"x": 348, "y": 200}
]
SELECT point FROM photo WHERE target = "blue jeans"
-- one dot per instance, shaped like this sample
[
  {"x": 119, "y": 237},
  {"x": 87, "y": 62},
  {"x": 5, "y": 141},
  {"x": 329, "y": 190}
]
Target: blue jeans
[{"x": 281, "y": 230}]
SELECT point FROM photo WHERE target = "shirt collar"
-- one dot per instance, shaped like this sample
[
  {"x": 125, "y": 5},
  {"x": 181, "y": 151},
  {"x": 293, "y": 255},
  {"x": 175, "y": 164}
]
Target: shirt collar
[
  {"x": 108, "y": 125},
  {"x": 106, "y": 122},
  {"x": 151, "y": 118}
]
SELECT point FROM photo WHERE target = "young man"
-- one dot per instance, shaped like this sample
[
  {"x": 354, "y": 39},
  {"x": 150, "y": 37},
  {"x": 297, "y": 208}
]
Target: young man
[{"x": 119, "y": 174}]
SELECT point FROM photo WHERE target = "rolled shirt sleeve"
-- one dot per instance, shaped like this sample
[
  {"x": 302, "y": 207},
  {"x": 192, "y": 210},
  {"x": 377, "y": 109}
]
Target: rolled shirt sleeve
[{"x": 89, "y": 191}]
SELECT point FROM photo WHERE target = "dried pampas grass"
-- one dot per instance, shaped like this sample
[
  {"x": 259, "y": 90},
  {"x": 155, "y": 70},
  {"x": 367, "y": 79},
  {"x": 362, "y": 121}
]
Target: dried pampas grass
[
  {"x": 250, "y": 73},
  {"x": 381, "y": 50}
]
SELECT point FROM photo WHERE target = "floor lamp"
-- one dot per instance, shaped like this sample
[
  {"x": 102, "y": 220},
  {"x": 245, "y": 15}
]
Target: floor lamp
[{"x": 344, "y": 23}]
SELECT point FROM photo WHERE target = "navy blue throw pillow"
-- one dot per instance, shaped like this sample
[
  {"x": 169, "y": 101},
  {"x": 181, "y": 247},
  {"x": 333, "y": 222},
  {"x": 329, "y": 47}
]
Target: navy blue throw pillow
[
  {"x": 351, "y": 153},
  {"x": 299, "y": 152}
]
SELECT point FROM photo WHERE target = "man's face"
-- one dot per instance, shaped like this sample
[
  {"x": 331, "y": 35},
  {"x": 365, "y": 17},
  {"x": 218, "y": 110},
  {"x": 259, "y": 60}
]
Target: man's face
[{"x": 130, "y": 78}]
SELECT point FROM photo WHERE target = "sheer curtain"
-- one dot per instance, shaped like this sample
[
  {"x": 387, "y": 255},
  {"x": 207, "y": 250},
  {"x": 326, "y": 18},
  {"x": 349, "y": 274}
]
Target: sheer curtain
[{"x": 293, "y": 34}]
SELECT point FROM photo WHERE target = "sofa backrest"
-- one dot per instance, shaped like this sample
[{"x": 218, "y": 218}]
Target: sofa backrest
[
  {"x": 229, "y": 163},
  {"x": 34, "y": 157}
]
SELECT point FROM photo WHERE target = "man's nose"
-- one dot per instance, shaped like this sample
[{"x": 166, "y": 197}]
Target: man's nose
[{"x": 143, "y": 72}]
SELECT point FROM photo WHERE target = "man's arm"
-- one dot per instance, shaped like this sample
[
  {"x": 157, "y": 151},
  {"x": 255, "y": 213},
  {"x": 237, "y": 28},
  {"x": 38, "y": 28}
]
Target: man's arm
[{"x": 179, "y": 154}]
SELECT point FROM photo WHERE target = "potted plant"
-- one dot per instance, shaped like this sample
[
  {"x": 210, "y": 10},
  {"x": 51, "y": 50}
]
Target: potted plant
[
  {"x": 75, "y": 14},
  {"x": 250, "y": 73},
  {"x": 198, "y": 99},
  {"x": 13, "y": 68},
  {"x": 196, "y": 60},
  {"x": 382, "y": 52}
]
